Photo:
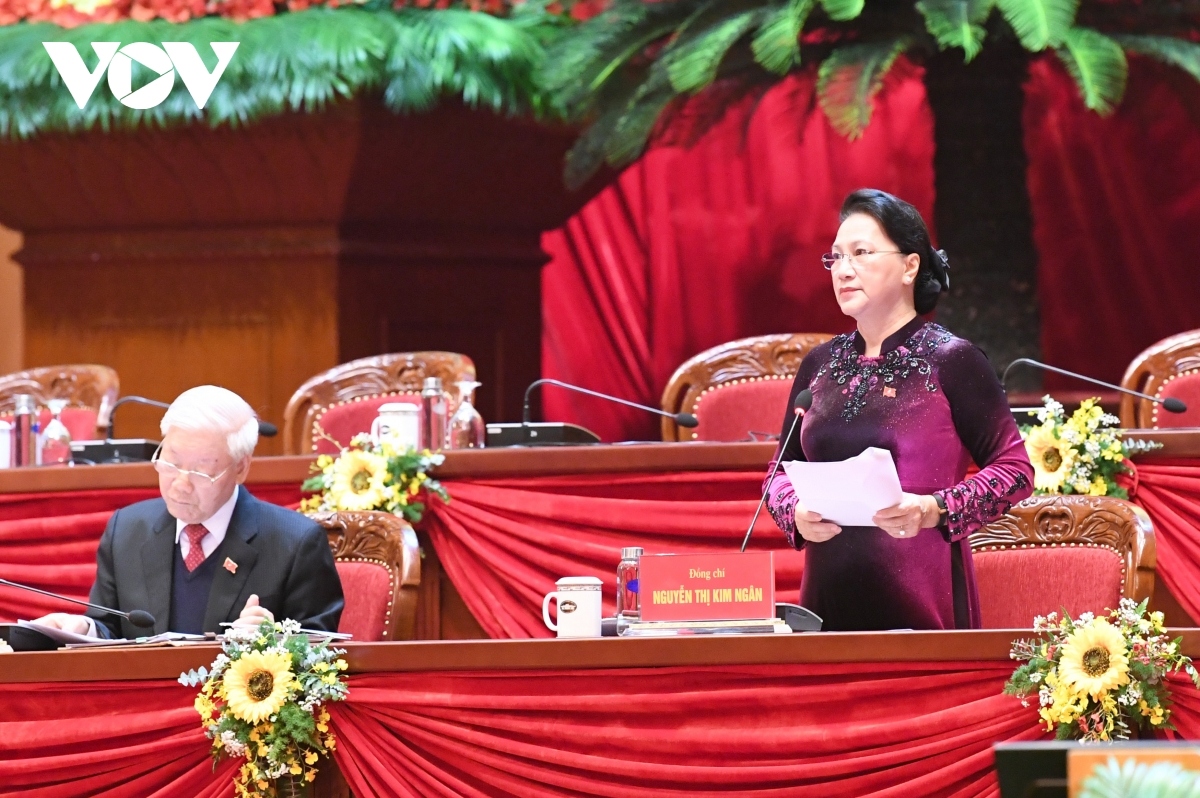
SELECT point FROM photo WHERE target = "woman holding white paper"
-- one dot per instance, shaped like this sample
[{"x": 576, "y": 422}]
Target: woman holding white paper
[{"x": 930, "y": 398}]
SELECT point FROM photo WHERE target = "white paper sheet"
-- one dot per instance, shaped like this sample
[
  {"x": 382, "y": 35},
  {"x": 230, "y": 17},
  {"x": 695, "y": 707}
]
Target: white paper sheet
[
  {"x": 847, "y": 492},
  {"x": 57, "y": 635}
]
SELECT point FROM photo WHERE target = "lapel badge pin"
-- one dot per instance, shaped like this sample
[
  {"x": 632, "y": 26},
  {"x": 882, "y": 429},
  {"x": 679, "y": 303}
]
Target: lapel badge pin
[
  {"x": 889, "y": 392},
  {"x": 230, "y": 566}
]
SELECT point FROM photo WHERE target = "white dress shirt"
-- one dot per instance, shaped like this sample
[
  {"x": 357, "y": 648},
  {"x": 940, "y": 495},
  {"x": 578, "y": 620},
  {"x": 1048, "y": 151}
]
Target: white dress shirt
[{"x": 217, "y": 525}]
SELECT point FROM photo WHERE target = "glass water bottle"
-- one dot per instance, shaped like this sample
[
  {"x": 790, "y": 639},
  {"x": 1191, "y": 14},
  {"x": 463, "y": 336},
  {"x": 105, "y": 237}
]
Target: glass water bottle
[{"x": 627, "y": 583}]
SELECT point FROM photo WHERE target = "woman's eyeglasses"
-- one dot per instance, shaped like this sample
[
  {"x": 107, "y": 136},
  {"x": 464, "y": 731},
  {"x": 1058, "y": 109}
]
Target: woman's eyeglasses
[{"x": 830, "y": 259}]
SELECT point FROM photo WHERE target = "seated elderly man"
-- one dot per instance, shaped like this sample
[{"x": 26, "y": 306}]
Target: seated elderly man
[{"x": 208, "y": 552}]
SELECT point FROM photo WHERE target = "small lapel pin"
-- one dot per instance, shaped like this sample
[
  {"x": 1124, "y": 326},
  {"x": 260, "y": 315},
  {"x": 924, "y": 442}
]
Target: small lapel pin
[
  {"x": 230, "y": 566},
  {"x": 889, "y": 392}
]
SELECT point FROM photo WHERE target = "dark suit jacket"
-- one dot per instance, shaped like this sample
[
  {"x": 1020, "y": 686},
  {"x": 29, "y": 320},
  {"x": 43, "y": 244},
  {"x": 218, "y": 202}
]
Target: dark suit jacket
[{"x": 281, "y": 556}]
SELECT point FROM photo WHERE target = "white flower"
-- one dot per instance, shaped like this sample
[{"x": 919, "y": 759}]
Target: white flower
[
  {"x": 1035, "y": 677},
  {"x": 1086, "y": 618}
]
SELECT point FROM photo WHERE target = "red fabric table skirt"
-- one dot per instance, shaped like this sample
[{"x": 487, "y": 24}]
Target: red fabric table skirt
[
  {"x": 504, "y": 542},
  {"x": 850, "y": 729}
]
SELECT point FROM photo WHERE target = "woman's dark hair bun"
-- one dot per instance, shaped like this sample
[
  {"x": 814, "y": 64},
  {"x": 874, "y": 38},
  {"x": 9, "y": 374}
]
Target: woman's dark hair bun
[{"x": 904, "y": 225}]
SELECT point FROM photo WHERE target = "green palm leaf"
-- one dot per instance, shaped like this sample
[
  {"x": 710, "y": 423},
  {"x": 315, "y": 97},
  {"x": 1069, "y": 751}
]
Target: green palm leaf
[
  {"x": 1175, "y": 52},
  {"x": 1039, "y": 23},
  {"x": 578, "y": 65},
  {"x": 842, "y": 10},
  {"x": 693, "y": 65},
  {"x": 1097, "y": 63},
  {"x": 776, "y": 46},
  {"x": 957, "y": 23},
  {"x": 849, "y": 79}
]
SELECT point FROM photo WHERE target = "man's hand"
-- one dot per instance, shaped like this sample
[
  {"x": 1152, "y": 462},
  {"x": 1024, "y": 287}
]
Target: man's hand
[
  {"x": 253, "y": 615},
  {"x": 66, "y": 622}
]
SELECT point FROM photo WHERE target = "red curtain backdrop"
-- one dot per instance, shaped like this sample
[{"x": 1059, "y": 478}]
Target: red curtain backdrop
[
  {"x": 688, "y": 249},
  {"x": 1115, "y": 209},
  {"x": 116, "y": 739},
  {"x": 691, "y": 248},
  {"x": 876, "y": 729},
  {"x": 881, "y": 730},
  {"x": 505, "y": 542},
  {"x": 1170, "y": 493}
]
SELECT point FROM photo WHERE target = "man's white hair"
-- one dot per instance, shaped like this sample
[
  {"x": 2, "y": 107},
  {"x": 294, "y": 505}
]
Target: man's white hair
[{"x": 209, "y": 408}]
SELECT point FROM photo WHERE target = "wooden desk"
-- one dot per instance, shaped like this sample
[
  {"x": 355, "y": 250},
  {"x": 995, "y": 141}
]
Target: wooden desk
[
  {"x": 123, "y": 664},
  {"x": 506, "y": 462}
]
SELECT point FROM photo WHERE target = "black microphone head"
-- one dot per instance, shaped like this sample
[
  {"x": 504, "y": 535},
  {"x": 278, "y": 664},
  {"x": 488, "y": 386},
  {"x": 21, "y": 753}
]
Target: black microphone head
[
  {"x": 803, "y": 400},
  {"x": 267, "y": 429},
  {"x": 141, "y": 618},
  {"x": 686, "y": 420},
  {"x": 1174, "y": 405}
]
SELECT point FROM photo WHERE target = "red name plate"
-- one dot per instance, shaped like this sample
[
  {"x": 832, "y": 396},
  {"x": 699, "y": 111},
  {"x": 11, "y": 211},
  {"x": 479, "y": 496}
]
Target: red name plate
[{"x": 717, "y": 586}]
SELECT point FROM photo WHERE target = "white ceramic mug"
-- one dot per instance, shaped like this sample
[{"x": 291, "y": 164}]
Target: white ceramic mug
[
  {"x": 400, "y": 421},
  {"x": 578, "y": 607}
]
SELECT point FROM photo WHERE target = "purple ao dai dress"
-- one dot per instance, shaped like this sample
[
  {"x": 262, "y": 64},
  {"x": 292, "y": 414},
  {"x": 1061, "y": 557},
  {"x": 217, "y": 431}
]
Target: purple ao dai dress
[{"x": 934, "y": 402}]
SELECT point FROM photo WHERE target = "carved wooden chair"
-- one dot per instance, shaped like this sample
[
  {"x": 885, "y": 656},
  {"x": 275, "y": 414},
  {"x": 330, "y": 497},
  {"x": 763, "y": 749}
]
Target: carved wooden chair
[
  {"x": 90, "y": 391},
  {"x": 379, "y": 561},
  {"x": 1081, "y": 553},
  {"x": 1167, "y": 369},
  {"x": 737, "y": 388},
  {"x": 344, "y": 400}
]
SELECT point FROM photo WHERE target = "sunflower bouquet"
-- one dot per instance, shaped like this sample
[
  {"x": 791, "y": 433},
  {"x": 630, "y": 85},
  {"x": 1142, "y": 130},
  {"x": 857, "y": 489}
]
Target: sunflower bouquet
[
  {"x": 264, "y": 700},
  {"x": 1095, "y": 675},
  {"x": 1082, "y": 454},
  {"x": 373, "y": 476}
]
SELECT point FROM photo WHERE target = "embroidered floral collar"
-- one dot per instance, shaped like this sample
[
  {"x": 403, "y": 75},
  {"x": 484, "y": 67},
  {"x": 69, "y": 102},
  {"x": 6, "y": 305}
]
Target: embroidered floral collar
[{"x": 900, "y": 357}]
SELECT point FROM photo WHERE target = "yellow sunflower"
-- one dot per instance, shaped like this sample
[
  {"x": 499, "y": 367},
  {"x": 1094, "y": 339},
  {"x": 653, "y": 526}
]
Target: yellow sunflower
[
  {"x": 357, "y": 481},
  {"x": 257, "y": 685},
  {"x": 1094, "y": 659},
  {"x": 1051, "y": 459}
]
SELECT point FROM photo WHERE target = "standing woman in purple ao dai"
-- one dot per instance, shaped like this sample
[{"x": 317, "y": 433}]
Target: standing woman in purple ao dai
[{"x": 932, "y": 399}]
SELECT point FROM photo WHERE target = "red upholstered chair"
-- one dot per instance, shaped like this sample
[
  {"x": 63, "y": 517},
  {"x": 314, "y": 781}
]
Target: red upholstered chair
[
  {"x": 736, "y": 388},
  {"x": 379, "y": 562},
  {"x": 345, "y": 399},
  {"x": 1167, "y": 369},
  {"x": 1081, "y": 553},
  {"x": 90, "y": 391}
]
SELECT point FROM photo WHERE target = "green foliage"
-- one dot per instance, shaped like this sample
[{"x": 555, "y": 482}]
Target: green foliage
[
  {"x": 692, "y": 61},
  {"x": 1175, "y": 52},
  {"x": 776, "y": 46},
  {"x": 1133, "y": 779},
  {"x": 298, "y": 61},
  {"x": 842, "y": 10},
  {"x": 1097, "y": 63},
  {"x": 849, "y": 79},
  {"x": 957, "y": 23},
  {"x": 1039, "y": 23},
  {"x": 621, "y": 72}
]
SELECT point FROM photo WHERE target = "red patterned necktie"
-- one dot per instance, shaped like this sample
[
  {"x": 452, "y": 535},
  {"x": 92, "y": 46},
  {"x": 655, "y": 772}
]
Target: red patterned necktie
[{"x": 195, "y": 533}]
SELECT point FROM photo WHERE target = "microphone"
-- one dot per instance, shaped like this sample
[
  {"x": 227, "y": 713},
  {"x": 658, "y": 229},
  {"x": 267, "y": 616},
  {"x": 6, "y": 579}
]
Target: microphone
[
  {"x": 802, "y": 404},
  {"x": 682, "y": 419},
  {"x": 139, "y": 618},
  {"x": 1171, "y": 404},
  {"x": 265, "y": 428}
]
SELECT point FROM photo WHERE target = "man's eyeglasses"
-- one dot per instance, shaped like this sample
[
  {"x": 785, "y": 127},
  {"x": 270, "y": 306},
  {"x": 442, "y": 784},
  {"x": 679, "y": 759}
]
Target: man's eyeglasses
[
  {"x": 830, "y": 259},
  {"x": 168, "y": 469}
]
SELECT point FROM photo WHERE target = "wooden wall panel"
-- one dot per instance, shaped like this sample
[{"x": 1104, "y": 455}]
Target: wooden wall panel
[
  {"x": 259, "y": 256},
  {"x": 12, "y": 315},
  {"x": 170, "y": 311}
]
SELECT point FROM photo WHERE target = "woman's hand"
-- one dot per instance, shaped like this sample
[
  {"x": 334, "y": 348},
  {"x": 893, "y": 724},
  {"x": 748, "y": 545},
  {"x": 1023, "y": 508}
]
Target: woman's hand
[
  {"x": 910, "y": 516},
  {"x": 810, "y": 526}
]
